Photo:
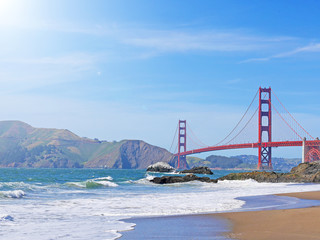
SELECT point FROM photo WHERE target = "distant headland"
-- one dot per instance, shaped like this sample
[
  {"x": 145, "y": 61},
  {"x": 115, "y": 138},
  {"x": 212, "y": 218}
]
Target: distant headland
[{"x": 22, "y": 145}]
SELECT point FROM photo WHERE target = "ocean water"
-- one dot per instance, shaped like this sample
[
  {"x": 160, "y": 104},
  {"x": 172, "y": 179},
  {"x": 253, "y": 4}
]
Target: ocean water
[{"x": 43, "y": 204}]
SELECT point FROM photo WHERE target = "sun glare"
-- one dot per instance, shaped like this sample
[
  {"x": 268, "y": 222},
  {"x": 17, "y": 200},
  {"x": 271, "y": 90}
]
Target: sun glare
[
  {"x": 5, "y": 5},
  {"x": 11, "y": 11}
]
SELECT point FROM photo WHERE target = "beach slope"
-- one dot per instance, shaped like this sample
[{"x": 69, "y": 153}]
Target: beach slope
[{"x": 301, "y": 223}]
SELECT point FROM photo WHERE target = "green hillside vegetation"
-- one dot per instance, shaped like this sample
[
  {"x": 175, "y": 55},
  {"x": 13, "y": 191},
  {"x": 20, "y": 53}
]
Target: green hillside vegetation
[
  {"x": 21, "y": 145},
  {"x": 215, "y": 161},
  {"x": 196, "y": 162}
]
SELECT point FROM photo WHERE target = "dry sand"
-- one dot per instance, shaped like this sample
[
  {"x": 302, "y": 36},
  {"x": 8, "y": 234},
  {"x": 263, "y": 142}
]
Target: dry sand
[
  {"x": 300, "y": 224},
  {"x": 303, "y": 195}
]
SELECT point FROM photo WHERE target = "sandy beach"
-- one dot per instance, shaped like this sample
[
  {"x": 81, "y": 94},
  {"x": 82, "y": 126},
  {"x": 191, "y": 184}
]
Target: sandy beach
[
  {"x": 297, "y": 223},
  {"x": 300, "y": 223}
]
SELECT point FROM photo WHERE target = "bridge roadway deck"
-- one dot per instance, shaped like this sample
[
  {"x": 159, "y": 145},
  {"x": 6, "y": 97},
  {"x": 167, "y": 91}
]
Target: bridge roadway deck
[{"x": 252, "y": 145}]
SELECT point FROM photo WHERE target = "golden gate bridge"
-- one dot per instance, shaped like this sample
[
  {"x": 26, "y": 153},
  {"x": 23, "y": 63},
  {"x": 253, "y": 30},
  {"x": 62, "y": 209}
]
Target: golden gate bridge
[{"x": 260, "y": 120}]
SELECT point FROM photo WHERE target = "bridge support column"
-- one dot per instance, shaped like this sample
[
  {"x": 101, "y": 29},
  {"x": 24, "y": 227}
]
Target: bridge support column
[
  {"x": 310, "y": 153},
  {"x": 303, "y": 150},
  {"x": 182, "y": 144},
  {"x": 264, "y": 152}
]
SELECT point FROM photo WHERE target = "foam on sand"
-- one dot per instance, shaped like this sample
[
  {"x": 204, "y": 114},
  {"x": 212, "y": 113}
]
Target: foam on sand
[{"x": 98, "y": 213}]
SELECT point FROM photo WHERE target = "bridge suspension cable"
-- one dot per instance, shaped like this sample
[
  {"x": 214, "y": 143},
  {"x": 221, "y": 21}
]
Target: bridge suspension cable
[
  {"x": 174, "y": 138},
  {"x": 286, "y": 122},
  {"x": 239, "y": 122},
  {"x": 195, "y": 136},
  {"x": 291, "y": 115},
  {"x": 243, "y": 127},
  {"x": 189, "y": 138}
]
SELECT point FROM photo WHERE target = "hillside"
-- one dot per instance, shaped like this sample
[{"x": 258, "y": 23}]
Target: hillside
[
  {"x": 241, "y": 161},
  {"x": 22, "y": 145}
]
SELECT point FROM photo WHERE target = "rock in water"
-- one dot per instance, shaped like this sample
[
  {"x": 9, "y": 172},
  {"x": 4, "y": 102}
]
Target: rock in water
[
  {"x": 198, "y": 170},
  {"x": 160, "y": 167},
  {"x": 304, "y": 172},
  {"x": 255, "y": 175},
  {"x": 179, "y": 179}
]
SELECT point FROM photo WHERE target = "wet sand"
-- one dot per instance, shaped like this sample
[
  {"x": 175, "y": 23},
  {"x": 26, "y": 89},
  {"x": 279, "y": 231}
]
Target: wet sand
[
  {"x": 187, "y": 227},
  {"x": 299, "y": 223}
]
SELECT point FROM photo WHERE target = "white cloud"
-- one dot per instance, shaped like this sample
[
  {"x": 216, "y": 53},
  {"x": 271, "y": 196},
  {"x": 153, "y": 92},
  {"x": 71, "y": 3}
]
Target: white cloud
[
  {"x": 70, "y": 60},
  {"x": 217, "y": 41},
  {"x": 19, "y": 74},
  {"x": 309, "y": 48},
  {"x": 170, "y": 39}
]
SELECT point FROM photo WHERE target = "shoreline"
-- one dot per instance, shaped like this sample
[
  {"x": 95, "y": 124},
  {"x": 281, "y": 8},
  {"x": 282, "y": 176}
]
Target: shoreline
[
  {"x": 298, "y": 220},
  {"x": 294, "y": 223},
  {"x": 195, "y": 227}
]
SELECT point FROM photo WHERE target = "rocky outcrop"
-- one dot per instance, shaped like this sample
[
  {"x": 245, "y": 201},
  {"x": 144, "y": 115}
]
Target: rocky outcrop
[
  {"x": 255, "y": 175},
  {"x": 136, "y": 154},
  {"x": 160, "y": 167},
  {"x": 130, "y": 154},
  {"x": 181, "y": 179},
  {"x": 198, "y": 170},
  {"x": 304, "y": 172}
]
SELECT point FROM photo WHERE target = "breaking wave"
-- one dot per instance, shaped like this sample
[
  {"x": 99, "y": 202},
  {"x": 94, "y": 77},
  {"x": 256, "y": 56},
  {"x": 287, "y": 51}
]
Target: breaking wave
[
  {"x": 94, "y": 183},
  {"x": 19, "y": 185},
  {"x": 12, "y": 194},
  {"x": 145, "y": 181}
]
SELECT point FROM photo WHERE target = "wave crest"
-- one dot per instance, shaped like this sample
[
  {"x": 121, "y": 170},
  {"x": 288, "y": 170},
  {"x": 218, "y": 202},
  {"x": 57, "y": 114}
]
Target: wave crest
[
  {"x": 12, "y": 194},
  {"x": 94, "y": 183}
]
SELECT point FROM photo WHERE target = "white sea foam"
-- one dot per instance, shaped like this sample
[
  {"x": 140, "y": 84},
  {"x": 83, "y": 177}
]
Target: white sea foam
[
  {"x": 107, "y": 183},
  {"x": 98, "y": 216},
  {"x": 94, "y": 183},
  {"x": 108, "y": 178},
  {"x": 12, "y": 194},
  {"x": 145, "y": 181},
  {"x": 149, "y": 177},
  {"x": 20, "y": 185},
  {"x": 173, "y": 173}
]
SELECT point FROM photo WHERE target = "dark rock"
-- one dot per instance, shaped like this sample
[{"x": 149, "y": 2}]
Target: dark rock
[
  {"x": 198, "y": 170},
  {"x": 304, "y": 172},
  {"x": 179, "y": 179},
  {"x": 306, "y": 168},
  {"x": 7, "y": 218},
  {"x": 258, "y": 176},
  {"x": 160, "y": 167}
]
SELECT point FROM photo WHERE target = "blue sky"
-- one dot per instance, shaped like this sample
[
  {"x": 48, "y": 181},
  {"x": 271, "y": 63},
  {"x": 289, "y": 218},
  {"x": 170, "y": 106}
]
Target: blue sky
[{"x": 131, "y": 69}]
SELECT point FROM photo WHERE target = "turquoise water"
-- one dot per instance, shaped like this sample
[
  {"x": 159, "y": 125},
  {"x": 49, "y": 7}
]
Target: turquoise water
[{"x": 92, "y": 203}]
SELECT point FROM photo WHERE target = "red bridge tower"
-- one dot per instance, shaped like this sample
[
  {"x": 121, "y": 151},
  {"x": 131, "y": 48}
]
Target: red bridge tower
[
  {"x": 182, "y": 144},
  {"x": 264, "y": 152}
]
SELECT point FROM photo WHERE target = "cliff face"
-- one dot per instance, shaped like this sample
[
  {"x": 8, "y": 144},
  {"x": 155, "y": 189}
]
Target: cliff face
[
  {"x": 138, "y": 154},
  {"x": 21, "y": 145},
  {"x": 132, "y": 154}
]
